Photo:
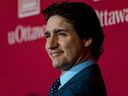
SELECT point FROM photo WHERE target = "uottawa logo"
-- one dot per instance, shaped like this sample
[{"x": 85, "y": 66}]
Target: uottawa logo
[
  {"x": 25, "y": 34},
  {"x": 28, "y": 8}
]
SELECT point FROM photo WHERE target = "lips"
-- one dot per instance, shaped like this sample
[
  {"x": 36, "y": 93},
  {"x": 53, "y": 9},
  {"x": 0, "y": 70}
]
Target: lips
[{"x": 56, "y": 53}]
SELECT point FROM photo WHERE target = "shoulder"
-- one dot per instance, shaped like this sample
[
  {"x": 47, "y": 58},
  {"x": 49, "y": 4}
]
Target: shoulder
[
  {"x": 84, "y": 88},
  {"x": 88, "y": 82}
]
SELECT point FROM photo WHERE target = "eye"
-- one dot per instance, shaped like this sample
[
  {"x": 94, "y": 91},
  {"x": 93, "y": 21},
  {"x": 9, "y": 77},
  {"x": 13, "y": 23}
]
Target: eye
[
  {"x": 47, "y": 34},
  {"x": 63, "y": 34}
]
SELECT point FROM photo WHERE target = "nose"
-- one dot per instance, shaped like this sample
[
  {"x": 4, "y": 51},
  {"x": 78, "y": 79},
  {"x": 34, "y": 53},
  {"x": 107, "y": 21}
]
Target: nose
[{"x": 52, "y": 42}]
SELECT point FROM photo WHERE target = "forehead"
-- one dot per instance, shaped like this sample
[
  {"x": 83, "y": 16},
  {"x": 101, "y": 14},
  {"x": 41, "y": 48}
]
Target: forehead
[{"x": 58, "y": 21}]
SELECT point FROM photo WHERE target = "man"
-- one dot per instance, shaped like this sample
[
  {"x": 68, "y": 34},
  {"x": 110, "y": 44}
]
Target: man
[{"x": 74, "y": 41}]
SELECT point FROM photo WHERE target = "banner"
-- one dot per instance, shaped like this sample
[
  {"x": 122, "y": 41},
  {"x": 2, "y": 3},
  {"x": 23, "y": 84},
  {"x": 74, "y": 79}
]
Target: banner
[{"x": 25, "y": 68}]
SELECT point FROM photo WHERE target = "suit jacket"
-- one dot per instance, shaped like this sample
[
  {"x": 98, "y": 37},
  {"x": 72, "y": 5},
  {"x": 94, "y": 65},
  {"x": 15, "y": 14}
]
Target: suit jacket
[{"x": 87, "y": 82}]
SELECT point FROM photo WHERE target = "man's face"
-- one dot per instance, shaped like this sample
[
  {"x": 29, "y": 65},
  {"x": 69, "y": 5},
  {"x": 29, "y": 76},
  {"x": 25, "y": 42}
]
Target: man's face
[{"x": 63, "y": 45}]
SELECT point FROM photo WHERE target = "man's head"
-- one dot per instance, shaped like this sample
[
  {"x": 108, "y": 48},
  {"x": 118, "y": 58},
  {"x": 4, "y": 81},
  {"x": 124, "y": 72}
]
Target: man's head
[{"x": 73, "y": 34}]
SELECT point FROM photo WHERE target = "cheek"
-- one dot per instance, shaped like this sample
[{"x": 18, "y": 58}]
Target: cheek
[
  {"x": 71, "y": 47},
  {"x": 70, "y": 50},
  {"x": 74, "y": 49},
  {"x": 46, "y": 48}
]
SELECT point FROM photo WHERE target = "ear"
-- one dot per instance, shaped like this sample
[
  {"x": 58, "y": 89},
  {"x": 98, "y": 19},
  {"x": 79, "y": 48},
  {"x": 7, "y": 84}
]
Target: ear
[{"x": 87, "y": 42}]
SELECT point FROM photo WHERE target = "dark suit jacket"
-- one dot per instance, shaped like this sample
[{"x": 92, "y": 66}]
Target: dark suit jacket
[{"x": 87, "y": 82}]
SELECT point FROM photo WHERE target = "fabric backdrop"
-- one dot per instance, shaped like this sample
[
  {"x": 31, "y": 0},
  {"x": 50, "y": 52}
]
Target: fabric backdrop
[{"x": 25, "y": 68}]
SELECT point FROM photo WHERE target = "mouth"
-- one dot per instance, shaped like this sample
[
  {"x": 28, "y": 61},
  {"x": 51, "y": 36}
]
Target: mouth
[{"x": 56, "y": 54}]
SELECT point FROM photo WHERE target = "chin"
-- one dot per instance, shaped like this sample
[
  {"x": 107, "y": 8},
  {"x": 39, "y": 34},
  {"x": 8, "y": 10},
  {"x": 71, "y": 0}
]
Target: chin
[{"x": 55, "y": 65}]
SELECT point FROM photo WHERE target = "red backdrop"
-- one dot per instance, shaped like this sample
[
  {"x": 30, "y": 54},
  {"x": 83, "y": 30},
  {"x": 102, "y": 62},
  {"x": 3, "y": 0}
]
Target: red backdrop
[{"x": 24, "y": 65}]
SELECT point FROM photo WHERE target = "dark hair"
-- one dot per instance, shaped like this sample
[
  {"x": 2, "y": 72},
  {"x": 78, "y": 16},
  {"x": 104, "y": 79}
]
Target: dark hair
[{"x": 84, "y": 20}]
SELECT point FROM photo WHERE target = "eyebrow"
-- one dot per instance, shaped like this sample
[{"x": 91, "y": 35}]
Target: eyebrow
[{"x": 57, "y": 30}]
